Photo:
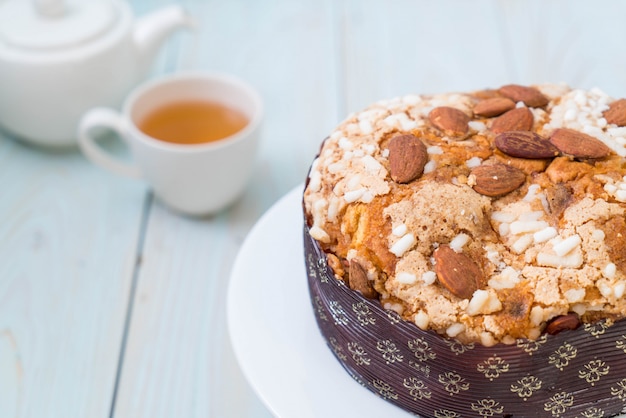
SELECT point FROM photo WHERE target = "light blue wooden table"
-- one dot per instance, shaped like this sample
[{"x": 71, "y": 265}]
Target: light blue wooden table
[{"x": 113, "y": 306}]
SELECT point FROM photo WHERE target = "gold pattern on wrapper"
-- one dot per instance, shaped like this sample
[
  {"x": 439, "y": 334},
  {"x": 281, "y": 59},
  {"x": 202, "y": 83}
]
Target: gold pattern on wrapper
[{"x": 579, "y": 373}]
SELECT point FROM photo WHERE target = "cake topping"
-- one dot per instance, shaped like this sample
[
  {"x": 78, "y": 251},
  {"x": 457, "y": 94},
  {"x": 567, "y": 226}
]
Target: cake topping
[
  {"x": 578, "y": 144},
  {"x": 518, "y": 119},
  {"x": 457, "y": 272},
  {"x": 483, "y": 302},
  {"x": 530, "y": 96},
  {"x": 496, "y": 179},
  {"x": 616, "y": 113},
  {"x": 402, "y": 245},
  {"x": 494, "y": 106},
  {"x": 407, "y": 158},
  {"x": 358, "y": 280},
  {"x": 525, "y": 144},
  {"x": 411, "y": 188},
  {"x": 452, "y": 122},
  {"x": 562, "y": 323}
]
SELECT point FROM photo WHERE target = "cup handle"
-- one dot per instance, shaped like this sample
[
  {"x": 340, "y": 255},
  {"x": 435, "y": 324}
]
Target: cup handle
[{"x": 111, "y": 119}]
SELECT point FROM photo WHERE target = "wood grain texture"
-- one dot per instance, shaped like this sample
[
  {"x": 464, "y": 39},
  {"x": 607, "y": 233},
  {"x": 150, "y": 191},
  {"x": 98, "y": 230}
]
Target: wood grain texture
[
  {"x": 178, "y": 361},
  {"x": 68, "y": 239}
]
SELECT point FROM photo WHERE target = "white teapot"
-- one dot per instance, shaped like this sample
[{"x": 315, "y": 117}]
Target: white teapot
[{"x": 59, "y": 58}]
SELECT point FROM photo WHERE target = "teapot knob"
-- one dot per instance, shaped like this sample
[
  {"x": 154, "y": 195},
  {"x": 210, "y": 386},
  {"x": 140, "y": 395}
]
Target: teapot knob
[{"x": 50, "y": 8}]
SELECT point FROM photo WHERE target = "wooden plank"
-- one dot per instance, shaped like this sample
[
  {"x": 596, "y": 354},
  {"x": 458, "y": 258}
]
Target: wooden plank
[
  {"x": 178, "y": 360},
  {"x": 68, "y": 238},
  {"x": 69, "y": 234}
]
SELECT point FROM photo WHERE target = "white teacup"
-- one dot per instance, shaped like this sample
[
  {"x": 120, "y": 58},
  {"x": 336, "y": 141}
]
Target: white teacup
[{"x": 195, "y": 179}]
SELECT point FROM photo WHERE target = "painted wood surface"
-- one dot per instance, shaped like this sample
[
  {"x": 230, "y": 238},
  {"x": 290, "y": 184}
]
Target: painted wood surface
[
  {"x": 68, "y": 249},
  {"x": 113, "y": 306}
]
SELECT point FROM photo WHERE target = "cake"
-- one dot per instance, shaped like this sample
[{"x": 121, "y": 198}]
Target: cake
[{"x": 466, "y": 252}]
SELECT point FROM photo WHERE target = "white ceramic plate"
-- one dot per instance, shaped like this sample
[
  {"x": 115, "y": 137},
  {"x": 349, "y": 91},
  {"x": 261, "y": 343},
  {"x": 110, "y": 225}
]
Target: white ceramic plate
[{"x": 274, "y": 333}]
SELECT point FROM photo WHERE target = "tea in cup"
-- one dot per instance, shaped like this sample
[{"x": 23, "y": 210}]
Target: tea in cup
[
  {"x": 193, "y": 122},
  {"x": 192, "y": 136}
]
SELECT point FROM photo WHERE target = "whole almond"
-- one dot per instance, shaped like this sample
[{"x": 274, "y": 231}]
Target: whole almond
[
  {"x": 457, "y": 272},
  {"x": 494, "y": 106},
  {"x": 407, "y": 158},
  {"x": 518, "y": 119},
  {"x": 530, "y": 96},
  {"x": 452, "y": 122},
  {"x": 562, "y": 323},
  {"x": 357, "y": 280},
  {"x": 496, "y": 179},
  {"x": 525, "y": 144},
  {"x": 578, "y": 144},
  {"x": 616, "y": 113}
]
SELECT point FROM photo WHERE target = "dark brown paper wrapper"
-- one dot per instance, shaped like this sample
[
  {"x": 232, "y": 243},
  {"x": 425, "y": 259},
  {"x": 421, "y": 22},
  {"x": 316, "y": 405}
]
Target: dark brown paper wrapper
[{"x": 580, "y": 373}]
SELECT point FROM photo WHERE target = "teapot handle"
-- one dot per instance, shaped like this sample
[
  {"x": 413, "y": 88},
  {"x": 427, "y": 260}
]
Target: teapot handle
[{"x": 104, "y": 118}]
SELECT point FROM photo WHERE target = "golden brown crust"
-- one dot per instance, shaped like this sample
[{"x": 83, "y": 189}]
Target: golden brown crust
[{"x": 546, "y": 234}]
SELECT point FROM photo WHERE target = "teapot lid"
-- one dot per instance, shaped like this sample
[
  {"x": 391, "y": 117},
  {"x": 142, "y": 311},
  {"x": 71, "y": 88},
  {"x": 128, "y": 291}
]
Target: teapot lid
[{"x": 54, "y": 24}]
